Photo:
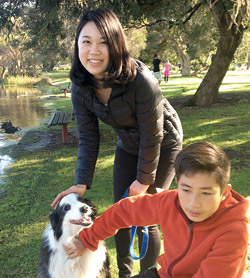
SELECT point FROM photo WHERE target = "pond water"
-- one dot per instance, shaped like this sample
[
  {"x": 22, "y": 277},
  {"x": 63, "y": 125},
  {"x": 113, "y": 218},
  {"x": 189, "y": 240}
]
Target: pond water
[{"x": 24, "y": 108}]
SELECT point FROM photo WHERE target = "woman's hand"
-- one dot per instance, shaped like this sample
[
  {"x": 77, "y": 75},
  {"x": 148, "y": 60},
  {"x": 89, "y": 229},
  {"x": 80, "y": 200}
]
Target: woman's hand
[
  {"x": 76, "y": 249},
  {"x": 137, "y": 188},
  {"x": 78, "y": 188}
]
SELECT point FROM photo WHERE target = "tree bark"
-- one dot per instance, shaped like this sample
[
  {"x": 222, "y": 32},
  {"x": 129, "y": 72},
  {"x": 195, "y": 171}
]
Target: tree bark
[
  {"x": 230, "y": 39},
  {"x": 185, "y": 65},
  {"x": 183, "y": 57},
  {"x": 2, "y": 74}
]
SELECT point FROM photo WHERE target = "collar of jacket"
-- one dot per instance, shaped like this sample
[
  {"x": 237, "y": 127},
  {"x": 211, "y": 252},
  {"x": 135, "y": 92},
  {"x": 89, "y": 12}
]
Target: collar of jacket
[{"x": 89, "y": 93}]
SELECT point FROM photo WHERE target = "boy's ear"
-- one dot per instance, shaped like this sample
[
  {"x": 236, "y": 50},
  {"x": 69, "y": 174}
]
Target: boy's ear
[
  {"x": 227, "y": 188},
  {"x": 176, "y": 180}
]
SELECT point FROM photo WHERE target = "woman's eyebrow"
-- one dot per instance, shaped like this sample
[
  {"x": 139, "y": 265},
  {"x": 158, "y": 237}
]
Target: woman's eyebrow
[
  {"x": 85, "y": 36},
  {"x": 89, "y": 37}
]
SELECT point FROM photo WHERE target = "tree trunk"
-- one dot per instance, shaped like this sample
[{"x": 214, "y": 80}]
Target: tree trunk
[
  {"x": 183, "y": 57},
  {"x": 2, "y": 74},
  {"x": 230, "y": 39},
  {"x": 185, "y": 65}
]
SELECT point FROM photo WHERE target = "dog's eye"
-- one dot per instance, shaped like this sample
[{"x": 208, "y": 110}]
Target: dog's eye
[
  {"x": 83, "y": 209},
  {"x": 67, "y": 207}
]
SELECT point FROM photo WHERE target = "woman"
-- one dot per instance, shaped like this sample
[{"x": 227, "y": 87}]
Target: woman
[{"x": 109, "y": 85}]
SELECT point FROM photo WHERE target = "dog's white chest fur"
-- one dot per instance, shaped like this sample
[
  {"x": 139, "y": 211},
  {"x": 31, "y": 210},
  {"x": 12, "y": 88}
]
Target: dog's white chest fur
[
  {"x": 64, "y": 224},
  {"x": 86, "y": 266}
]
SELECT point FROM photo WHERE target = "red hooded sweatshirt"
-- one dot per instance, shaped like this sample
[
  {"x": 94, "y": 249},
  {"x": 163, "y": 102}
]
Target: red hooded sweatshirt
[{"x": 213, "y": 248}]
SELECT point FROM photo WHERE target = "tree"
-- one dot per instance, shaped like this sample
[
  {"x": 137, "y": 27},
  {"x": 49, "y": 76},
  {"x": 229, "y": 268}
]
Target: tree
[
  {"x": 10, "y": 55},
  {"x": 231, "y": 34},
  {"x": 192, "y": 42},
  {"x": 49, "y": 30},
  {"x": 136, "y": 41}
]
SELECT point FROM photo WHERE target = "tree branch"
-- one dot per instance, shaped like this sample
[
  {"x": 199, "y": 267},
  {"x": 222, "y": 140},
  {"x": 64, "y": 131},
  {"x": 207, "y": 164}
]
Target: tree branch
[{"x": 192, "y": 11}]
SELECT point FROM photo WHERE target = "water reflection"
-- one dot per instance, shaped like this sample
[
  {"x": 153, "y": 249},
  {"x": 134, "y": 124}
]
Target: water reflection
[
  {"x": 24, "y": 108},
  {"x": 21, "y": 105}
]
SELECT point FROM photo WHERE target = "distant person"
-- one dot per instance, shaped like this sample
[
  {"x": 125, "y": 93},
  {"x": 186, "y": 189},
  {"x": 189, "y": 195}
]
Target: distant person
[
  {"x": 180, "y": 68},
  {"x": 109, "y": 85},
  {"x": 167, "y": 67},
  {"x": 156, "y": 68},
  {"x": 203, "y": 222}
]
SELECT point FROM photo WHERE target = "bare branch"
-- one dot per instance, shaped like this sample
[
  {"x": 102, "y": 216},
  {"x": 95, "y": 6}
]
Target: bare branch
[
  {"x": 192, "y": 11},
  {"x": 144, "y": 24}
]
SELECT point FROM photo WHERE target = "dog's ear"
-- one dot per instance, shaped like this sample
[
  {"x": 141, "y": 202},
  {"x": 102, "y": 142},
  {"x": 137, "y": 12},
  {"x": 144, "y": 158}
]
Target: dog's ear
[
  {"x": 56, "y": 223},
  {"x": 94, "y": 212},
  {"x": 54, "y": 219}
]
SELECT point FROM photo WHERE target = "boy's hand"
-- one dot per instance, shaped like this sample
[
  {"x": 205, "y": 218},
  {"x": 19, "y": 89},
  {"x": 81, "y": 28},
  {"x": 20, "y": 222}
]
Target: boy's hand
[{"x": 77, "y": 249}]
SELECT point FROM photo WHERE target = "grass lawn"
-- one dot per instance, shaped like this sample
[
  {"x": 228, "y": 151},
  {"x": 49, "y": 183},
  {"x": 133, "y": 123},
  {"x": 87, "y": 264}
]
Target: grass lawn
[{"x": 36, "y": 177}]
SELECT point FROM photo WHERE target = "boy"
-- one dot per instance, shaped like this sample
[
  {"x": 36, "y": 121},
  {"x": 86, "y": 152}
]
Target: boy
[{"x": 204, "y": 223}]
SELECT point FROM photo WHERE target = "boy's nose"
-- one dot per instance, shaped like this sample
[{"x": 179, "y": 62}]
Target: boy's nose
[{"x": 195, "y": 201}]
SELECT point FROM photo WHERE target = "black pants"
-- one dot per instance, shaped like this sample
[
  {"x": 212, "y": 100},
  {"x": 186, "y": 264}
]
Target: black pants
[
  {"x": 125, "y": 169},
  {"x": 149, "y": 273}
]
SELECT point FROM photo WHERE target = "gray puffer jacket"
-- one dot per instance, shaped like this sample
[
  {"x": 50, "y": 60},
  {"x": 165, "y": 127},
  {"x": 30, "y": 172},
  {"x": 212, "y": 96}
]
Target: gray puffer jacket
[{"x": 143, "y": 119}]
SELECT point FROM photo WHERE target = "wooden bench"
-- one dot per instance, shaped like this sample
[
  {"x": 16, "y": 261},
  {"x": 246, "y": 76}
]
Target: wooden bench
[{"x": 60, "y": 118}]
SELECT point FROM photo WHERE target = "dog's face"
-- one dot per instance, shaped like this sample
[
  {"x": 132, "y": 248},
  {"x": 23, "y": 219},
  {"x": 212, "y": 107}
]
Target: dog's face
[{"x": 72, "y": 210}]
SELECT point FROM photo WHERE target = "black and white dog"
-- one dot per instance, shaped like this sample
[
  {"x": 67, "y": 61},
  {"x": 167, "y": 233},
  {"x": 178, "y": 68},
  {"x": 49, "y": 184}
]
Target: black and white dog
[{"x": 71, "y": 215}]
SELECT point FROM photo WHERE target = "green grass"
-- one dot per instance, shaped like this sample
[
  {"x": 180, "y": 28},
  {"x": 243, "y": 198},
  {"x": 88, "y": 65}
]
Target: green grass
[
  {"x": 35, "y": 178},
  {"x": 177, "y": 86},
  {"x": 59, "y": 77}
]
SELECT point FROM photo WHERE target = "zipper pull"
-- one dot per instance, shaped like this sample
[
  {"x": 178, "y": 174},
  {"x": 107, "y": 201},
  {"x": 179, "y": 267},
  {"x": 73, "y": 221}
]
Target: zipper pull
[{"x": 190, "y": 226}]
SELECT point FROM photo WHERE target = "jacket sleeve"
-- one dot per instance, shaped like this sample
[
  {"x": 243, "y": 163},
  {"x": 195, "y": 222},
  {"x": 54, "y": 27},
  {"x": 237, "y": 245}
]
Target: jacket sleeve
[
  {"x": 143, "y": 210},
  {"x": 228, "y": 255},
  {"x": 88, "y": 133},
  {"x": 149, "y": 115}
]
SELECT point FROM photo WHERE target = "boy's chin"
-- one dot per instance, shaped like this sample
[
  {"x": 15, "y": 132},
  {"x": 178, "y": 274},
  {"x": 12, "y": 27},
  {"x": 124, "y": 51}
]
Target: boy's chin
[{"x": 197, "y": 217}]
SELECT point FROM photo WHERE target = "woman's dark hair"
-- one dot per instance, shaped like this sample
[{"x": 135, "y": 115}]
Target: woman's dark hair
[
  {"x": 203, "y": 157},
  {"x": 121, "y": 68}
]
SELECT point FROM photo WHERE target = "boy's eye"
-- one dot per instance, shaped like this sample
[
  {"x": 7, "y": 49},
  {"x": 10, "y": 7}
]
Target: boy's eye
[
  {"x": 207, "y": 193},
  {"x": 185, "y": 190},
  {"x": 85, "y": 42},
  {"x": 104, "y": 42}
]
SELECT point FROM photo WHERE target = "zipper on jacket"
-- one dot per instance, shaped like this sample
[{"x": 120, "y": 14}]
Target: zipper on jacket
[
  {"x": 190, "y": 229},
  {"x": 190, "y": 226},
  {"x": 170, "y": 269}
]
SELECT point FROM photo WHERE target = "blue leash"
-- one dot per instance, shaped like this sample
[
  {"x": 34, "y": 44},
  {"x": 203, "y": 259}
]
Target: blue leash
[{"x": 144, "y": 246}]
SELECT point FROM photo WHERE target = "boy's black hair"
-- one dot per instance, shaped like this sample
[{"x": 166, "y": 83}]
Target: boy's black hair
[{"x": 203, "y": 157}]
